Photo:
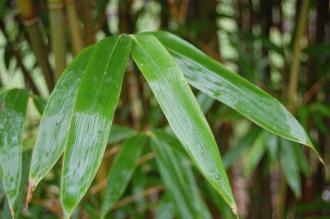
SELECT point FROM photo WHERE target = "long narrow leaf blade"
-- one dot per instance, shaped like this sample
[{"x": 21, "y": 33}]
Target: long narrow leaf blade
[
  {"x": 55, "y": 120},
  {"x": 290, "y": 166},
  {"x": 12, "y": 117},
  {"x": 92, "y": 116},
  {"x": 224, "y": 85},
  {"x": 179, "y": 181},
  {"x": 121, "y": 171},
  {"x": 181, "y": 110}
]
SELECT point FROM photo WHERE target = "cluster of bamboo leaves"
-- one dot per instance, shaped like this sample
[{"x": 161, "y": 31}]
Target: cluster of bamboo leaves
[{"x": 78, "y": 116}]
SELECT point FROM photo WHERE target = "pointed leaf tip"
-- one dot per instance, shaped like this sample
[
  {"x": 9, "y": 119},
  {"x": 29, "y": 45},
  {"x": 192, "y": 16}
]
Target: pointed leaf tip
[
  {"x": 181, "y": 109},
  {"x": 214, "y": 79},
  {"x": 55, "y": 119}
]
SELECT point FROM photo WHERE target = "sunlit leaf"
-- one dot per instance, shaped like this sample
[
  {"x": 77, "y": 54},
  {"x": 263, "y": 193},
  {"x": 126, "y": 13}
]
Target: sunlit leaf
[
  {"x": 92, "y": 115},
  {"x": 56, "y": 118},
  {"x": 12, "y": 117},
  {"x": 181, "y": 109},
  {"x": 214, "y": 79}
]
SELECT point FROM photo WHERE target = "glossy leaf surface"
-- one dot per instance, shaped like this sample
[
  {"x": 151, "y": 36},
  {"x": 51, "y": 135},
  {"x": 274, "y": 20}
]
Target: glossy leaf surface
[
  {"x": 56, "y": 118},
  {"x": 12, "y": 117},
  {"x": 92, "y": 115},
  {"x": 121, "y": 171},
  {"x": 179, "y": 181},
  {"x": 214, "y": 79},
  {"x": 182, "y": 111}
]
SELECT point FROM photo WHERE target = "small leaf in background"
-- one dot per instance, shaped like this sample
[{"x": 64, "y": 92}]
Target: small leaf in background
[
  {"x": 121, "y": 171},
  {"x": 55, "y": 120},
  {"x": 40, "y": 104},
  {"x": 290, "y": 166},
  {"x": 92, "y": 115},
  {"x": 214, "y": 79},
  {"x": 242, "y": 144},
  {"x": 7, "y": 56},
  {"x": 165, "y": 209},
  {"x": 179, "y": 181},
  {"x": 119, "y": 133},
  {"x": 255, "y": 153},
  {"x": 272, "y": 142},
  {"x": 182, "y": 111},
  {"x": 13, "y": 109},
  {"x": 205, "y": 102},
  {"x": 219, "y": 202},
  {"x": 302, "y": 159}
]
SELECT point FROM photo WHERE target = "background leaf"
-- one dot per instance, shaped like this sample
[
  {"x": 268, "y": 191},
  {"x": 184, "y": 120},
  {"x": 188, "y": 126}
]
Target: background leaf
[
  {"x": 179, "y": 181},
  {"x": 119, "y": 133},
  {"x": 290, "y": 166},
  {"x": 121, "y": 171}
]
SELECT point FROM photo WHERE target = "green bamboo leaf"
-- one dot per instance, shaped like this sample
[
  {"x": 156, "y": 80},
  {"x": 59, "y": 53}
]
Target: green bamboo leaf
[
  {"x": 235, "y": 152},
  {"x": 121, "y": 171},
  {"x": 13, "y": 113},
  {"x": 219, "y": 202},
  {"x": 214, "y": 79},
  {"x": 255, "y": 154},
  {"x": 92, "y": 116},
  {"x": 290, "y": 166},
  {"x": 205, "y": 102},
  {"x": 39, "y": 103},
  {"x": 181, "y": 110},
  {"x": 119, "y": 133},
  {"x": 165, "y": 209},
  {"x": 20, "y": 200},
  {"x": 55, "y": 120},
  {"x": 179, "y": 181},
  {"x": 302, "y": 161}
]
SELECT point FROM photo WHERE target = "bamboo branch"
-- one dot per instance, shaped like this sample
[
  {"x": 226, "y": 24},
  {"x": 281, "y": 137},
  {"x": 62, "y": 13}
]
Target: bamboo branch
[
  {"x": 294, "y": 73},
  {"x": 56, "y": 19},
  {"x": 133, "y": 95},
  {"x": 292, "y": 94},
  {"x": 145, "y": 193},
  {"x": 74, "y": 26},
  {"x": 31, "y": 23},
  {"x": 26, "y": 75},
  {"x": 88, "y": 23}
]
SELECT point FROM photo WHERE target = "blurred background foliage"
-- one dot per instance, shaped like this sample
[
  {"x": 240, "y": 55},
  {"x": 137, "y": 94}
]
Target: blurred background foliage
[{"x": 282, "y": 46}]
